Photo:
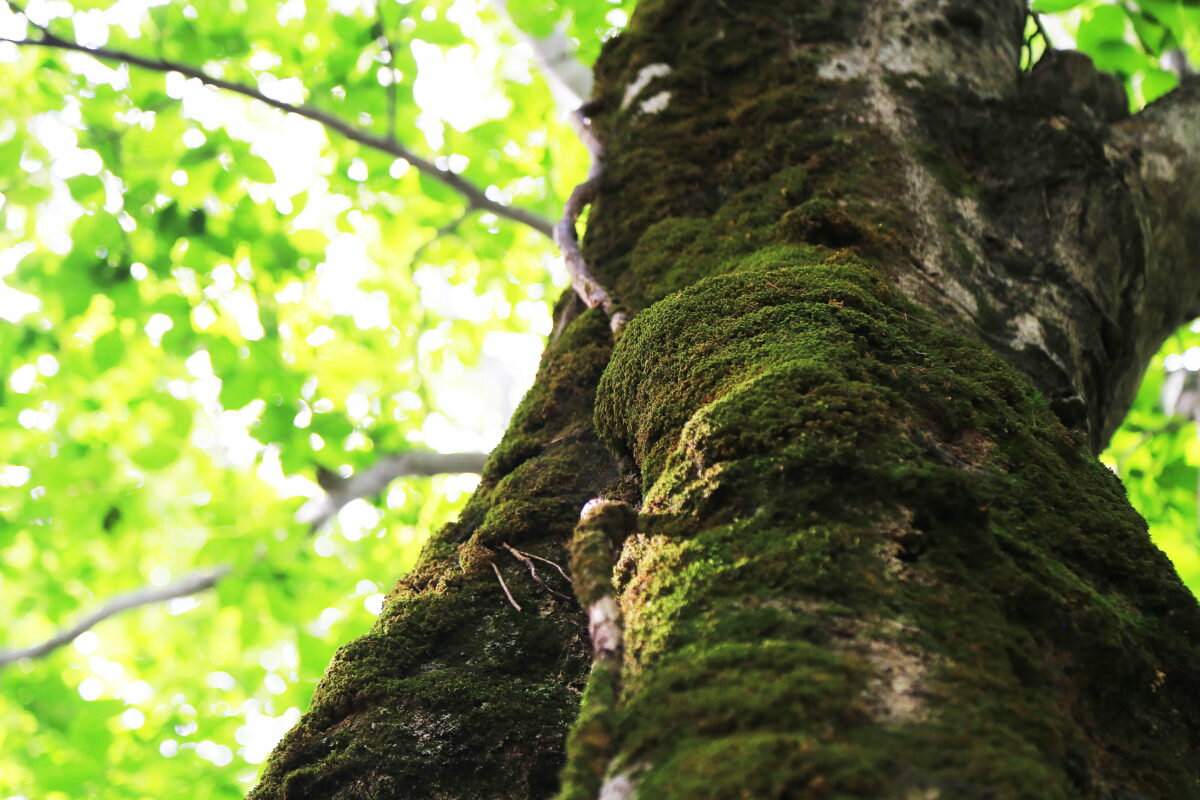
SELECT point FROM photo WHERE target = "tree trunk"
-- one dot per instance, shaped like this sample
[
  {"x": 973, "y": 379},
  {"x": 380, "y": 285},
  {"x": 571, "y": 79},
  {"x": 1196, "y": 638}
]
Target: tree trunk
[{"x": 889, "y": 296}]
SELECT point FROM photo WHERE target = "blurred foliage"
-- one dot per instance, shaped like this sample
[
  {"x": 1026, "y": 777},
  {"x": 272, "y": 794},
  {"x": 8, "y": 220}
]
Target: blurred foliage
[
  {"x": 1136, "y": 40},
  {"x": 204, "y": 301}
]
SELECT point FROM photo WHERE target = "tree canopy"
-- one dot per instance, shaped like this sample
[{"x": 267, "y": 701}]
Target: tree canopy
[{"x": 257, "y": 259}]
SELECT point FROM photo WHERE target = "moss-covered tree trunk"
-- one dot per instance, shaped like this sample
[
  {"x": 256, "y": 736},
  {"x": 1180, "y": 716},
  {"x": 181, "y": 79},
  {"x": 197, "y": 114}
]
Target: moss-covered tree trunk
[{"x": 888, "y": 297}]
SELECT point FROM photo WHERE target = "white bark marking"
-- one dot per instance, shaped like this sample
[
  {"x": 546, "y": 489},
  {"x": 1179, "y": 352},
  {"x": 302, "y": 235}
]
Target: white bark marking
[
  {"x": 644, "y": 76},
  {"x": 890, "y": 48},
  {"x": 604, "y": 625},
  {"x": 618, "y": 787},
  {"x": 656, "y": 103},
  {"x": 896, "y": 690},
  {"x": 1029, "y": 333}
]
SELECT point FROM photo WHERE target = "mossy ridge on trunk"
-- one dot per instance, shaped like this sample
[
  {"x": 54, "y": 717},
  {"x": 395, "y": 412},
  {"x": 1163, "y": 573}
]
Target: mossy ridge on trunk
[
  {"x": 454, "y": 693},
  {"x": 871, "y": 560}
]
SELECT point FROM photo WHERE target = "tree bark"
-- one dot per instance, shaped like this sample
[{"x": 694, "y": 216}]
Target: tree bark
[{"x": 889, "y": 296}]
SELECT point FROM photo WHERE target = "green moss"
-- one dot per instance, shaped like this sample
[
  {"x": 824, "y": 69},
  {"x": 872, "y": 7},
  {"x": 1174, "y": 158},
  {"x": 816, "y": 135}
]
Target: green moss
[
  {"x": 871, "y": 561},
  {"x": 454, "y": 693}
]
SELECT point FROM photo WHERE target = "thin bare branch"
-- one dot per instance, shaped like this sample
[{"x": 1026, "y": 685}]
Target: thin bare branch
[
  {"x": 533, "y": 573},
  {"x": 187, "y": 585},
  {"x": 475, "y": 197},
  {"x": 561, "y": 571},
  {"x": 375, "y": 479},
  {"x": 566, "y": 237},
  {"x": 504, "y": 586},
  {"x": 442, "y": 232},
  {"x": 570, "y": 80},
  {"x": 390, "y": 49}
]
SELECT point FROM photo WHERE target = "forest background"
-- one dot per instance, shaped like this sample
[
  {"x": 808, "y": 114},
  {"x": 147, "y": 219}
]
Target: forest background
[{"x": 218, "y": 316}]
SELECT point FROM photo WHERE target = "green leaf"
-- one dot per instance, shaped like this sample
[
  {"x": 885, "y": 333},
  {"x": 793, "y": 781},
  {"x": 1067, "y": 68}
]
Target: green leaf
[
  {"x": 256, "y": 168},
  {"x": 86, "y": 189},
  {"x": 1056, "y": 6}
]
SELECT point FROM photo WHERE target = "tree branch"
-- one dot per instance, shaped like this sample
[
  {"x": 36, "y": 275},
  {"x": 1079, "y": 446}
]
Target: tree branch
[
  {"x": 569, "y": 78},
  {"x": 375, "y": 479},
  {"x": 1163, "y": 145},
  {"x": 589, "y": 289},
  {"x": 187, "y": 585},
  {"x": 475, "y": 197}
]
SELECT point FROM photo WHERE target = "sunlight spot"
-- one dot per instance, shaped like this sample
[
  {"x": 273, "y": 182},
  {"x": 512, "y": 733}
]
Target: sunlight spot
[
  {"x": 157, "y": 326},
  {"x": 86, "y": 643},
  {"x": 398, "y": 168},
  {"x": 261, "y": 733},
  {"x": 285, "y": 90},
  {"x": 193, "y": 138},
  {"x": 181, "y": 605},
  {"x": 132, "y": 719},
  {"x": 358, "y": 406},
  {"x": 328, "y": 618},
  {"x": 47, "y": 365},
  {"x": 374, "y": 603},
  {"x": 167, "y": 748},
  {"x": 290, "y": 11},
  {"x": 457, "y": 86},
  {"x": 14, "y": 475},
  {"x": 203, "y": 316},
  {"x": 323, "y": 546},
  {"x": 136, "y": 692},
  {"x": 617, "y": 18},
  {"x": 396, "y": 496},
  {"x": 215, "y": 753},
  {"x": 23, "y": 378},
  {"x": 240, "y": 305},
  {"x": 41, "y": 418},
  {"x": 220, "y": 680},
  {"x": 91, "y": 688},
  {"x": 357, "y": 518},
  {"x": 322, "y": 334}
]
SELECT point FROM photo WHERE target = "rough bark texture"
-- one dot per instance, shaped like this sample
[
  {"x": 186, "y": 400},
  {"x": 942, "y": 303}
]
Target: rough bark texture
[{"x": 888, "y": 296}]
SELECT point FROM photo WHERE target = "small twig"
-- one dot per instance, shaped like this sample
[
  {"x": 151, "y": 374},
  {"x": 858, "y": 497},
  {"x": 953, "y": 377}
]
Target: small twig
[
  {"x": 188, "y": 585},
  {"x": 567, "y": 238},
  {"x": 391, "y": 87},
  {"x": 561, "y": 571},
  {"x": 524, "y": 559},
  {"x": 474, "y": 195},
  {"x": 375, "y": 478},
  {"x": 504, "y": 586},
  {"x": 445, "y": 230},
  {"x": 1039, "y": 30},
  {"x": 568, "y": 77},
  {"x": 603, "y": 527}
]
